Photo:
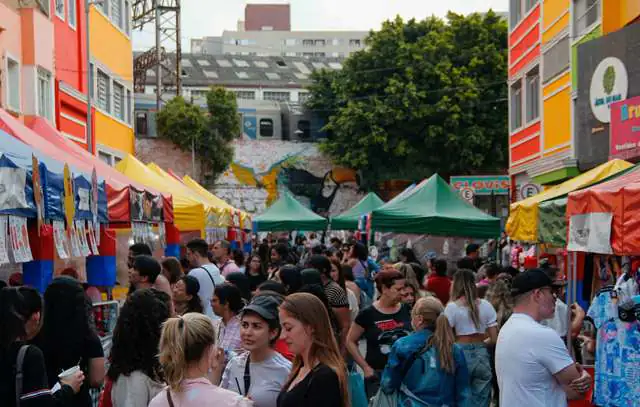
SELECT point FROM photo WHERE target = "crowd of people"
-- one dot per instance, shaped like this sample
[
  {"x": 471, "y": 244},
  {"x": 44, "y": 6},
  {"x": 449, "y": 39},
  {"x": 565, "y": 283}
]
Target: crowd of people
[{"x": 289, "y": 324}]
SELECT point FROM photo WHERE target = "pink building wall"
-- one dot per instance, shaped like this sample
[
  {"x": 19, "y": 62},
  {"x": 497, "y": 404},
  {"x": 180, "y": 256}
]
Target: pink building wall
[{"x": 10, "y": 45}]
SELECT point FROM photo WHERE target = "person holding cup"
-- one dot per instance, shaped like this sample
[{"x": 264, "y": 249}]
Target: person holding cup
[
  {"x": 188, "y": 352},
  {"x": 20, "y": 321}
]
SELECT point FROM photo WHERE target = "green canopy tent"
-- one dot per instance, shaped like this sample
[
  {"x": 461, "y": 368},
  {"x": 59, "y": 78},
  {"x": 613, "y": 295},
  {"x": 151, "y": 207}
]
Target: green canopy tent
[
  {"x": 348, "y": 220},
  {"x": 552, "y": 220},
  {"x": 287, "y": 214},
  {"x": 434, "y": 208}
]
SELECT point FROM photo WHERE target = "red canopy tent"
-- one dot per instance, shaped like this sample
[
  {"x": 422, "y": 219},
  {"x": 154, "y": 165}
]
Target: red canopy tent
[
  {"x": 47, "y": 139},
  {"x": 619, "y": 200}
]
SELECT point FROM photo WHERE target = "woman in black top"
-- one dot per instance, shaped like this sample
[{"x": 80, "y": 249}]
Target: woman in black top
[
  {"x": 255, "y": 273},
  {"x": 68, "y": 337},
  {"x": 318, "y": 376},
  {"x": 20, "y": 311}
]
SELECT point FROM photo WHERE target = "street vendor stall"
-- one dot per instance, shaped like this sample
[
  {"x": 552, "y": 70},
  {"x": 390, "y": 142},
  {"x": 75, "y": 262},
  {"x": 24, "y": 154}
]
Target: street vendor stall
[
  {"x": 287, "y": 214},
  {"x": 522, "y": 224},
  {"x": 434, "y": 208},
  {"x": 349, "y": 219}
]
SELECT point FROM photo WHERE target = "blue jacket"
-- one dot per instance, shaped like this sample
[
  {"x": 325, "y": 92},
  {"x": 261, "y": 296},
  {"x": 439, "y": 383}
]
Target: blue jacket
[{"x": 425, "y": 379}]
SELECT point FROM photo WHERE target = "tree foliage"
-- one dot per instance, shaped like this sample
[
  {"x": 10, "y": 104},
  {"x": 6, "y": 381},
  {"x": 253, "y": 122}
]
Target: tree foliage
[
  {"x": 425, "y": 96},
  {"x": 211, "y": 131}
]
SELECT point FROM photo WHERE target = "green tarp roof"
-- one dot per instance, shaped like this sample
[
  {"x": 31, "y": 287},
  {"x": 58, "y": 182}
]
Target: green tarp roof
[
  {"x": 348, "y": 220},
  {"x": 434, "y": 208},
  {"x": 287, "y": 214}
]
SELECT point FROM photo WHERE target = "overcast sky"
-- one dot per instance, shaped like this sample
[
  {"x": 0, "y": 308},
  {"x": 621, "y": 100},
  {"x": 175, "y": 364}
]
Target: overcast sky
[{"x": 210, "y": 17}]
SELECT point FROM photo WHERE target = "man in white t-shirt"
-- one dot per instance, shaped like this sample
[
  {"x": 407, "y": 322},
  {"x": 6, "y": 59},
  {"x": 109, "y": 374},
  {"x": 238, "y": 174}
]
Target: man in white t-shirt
[
  {"x": 533, "y": 365},
  {"x": 207, "y": 273}
]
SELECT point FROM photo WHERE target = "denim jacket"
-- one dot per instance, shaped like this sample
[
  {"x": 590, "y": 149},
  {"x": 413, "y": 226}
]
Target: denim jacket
[{"x": 427, "y": 383}]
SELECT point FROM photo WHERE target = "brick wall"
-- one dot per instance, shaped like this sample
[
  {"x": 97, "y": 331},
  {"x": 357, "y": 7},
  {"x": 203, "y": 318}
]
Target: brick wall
[
  {"x": 165, "y": 154},
  {"x": 277, "y": 16}
]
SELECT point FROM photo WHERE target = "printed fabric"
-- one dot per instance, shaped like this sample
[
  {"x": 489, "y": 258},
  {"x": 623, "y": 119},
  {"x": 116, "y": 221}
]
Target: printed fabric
[{"x": 617, "y": 366}]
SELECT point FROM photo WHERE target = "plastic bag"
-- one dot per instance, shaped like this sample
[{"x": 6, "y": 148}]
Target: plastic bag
[{"x": 356, "y": 390}]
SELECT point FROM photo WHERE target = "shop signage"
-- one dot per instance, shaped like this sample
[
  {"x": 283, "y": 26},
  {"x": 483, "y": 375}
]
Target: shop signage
[
  {"x": 609, "y": 84},
  {"x": 625, "y": 129},
  {"x": 481, "y": 185},
  {"x": 529, "y": 190},
  {"x": 145, "y": 207},
  {"x": 467, "y": 194}
]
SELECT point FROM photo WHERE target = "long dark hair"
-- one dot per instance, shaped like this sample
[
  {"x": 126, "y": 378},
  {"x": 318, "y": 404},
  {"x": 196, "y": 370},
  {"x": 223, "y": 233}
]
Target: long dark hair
[
  {"x": 17, "y": 305},
  {"x": 464, "y": 286},
  {"x": 67, "y": 323},
  {"x": 137, "y": 335}
]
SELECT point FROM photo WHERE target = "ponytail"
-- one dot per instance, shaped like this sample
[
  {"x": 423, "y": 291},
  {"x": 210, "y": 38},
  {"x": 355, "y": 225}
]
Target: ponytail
[
  {"x": 443, "y": 339},
  {"x": 184, "y": 341}
]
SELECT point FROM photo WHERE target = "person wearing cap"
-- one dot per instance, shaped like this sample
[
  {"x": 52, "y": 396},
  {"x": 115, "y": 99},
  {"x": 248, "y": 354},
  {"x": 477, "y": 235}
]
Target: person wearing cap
[
  {"x": 185, "y": 296},
  {"x": 261, "y": 372},
  {"x": 533, "y": 365}
]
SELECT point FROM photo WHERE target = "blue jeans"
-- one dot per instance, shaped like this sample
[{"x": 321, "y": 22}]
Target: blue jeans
[{"x": 479, "y": 365}]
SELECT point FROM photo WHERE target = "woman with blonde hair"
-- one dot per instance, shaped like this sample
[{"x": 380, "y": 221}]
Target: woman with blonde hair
[
  {"x": 318, "y": 377},
  {"x": 187, "y": 353},
  {"x": 474, "y": 322},
  {"x": 427, "y": 365}
]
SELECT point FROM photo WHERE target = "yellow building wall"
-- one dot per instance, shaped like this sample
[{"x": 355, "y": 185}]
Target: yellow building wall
[
  {"x": 557, "y": 113},
  {"x": 555, "y": 18},
  {"x": 618, "y": 13},
  {"x": 110, "y": 46},
  {"x": 114, "y": 134}
]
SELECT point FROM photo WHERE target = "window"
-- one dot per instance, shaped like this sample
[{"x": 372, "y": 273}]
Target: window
[
  {"x": 528, "y": 5},
  {"x": 320, "y": 43},
  {"x": 45, "y": 100},
  {"x": 13, "y": 88},
  {"x": 585, "y": 14},
  {"x": 290, "y": 42},
  {"x": 72, "y": 13},
  {"x": 516, "y": 105},
  {"x": 210, "y": 74},
  {"x": 141, "y": 124},
  {"x": 319, "y": 54},
  {"x": 103, "y": 6},
  {"x": 203, "y": 62},
  {"x": 196, "y": 94},
  {"x": 355, "y": 43},
  {"x": 300, "y": 75},
  {"x": 304, "y": 129},
  {"x": 118, "y": 101},
  {"x": 116, "y": 12},
  {"x": 290, "y": 54},
  {"x": 533, "y": 95},
  {"x": 106, "y": 158},
  {"x": 103, "y": 92},
  {"x": 307, "y": 54},
  {"x": 556, "y": 59},
  {"x": 60, "y": 8},
  {"x": 245, "y": 94},
  {"x": 308, "y": 43},
  {"x": 223, "y": 63},
  {"x": 91, "y": 81},
  {"x": 335, "y": 65},
  {"x": 261, "y": 64},
  {"x": 272, "y": 76},
  {"x": 266, "y": 128},
  {"x": 242, "y": 75},
  {"x": 336, "y": 42},
  {"x": 277, "y": 96},
  {"x": 515, "y": 12},
  {"x": 319, "y": 65},
  {"x": 186, "y": 63},
  {"x": 302, "y": 67},
  {"x": 241, "y": 63},
  {"x": 129, "y": 106},
  {"x": 303, "y": 97},
  {"x": 44, "y": 7},
  {"x": 281, "y": 63}
]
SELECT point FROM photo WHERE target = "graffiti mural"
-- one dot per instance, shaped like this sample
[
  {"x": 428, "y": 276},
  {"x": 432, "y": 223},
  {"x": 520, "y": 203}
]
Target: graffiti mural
[{"x": 262, "y": 167}]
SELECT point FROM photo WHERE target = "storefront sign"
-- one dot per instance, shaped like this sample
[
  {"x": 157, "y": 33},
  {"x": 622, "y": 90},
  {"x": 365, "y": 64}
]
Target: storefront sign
[
  {"x": 482, "y": 185},
  {"x": 609, "y": 84},
  {"x": 625, "y": 129},
  {"x": 145, "y": 207}
]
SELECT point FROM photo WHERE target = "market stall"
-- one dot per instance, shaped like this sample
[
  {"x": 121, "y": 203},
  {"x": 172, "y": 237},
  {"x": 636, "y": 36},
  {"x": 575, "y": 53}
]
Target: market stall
[
  {"x": 349, "y": 219},
  {"x": 523, "y": 221},
  {"x": 287, "y": 214},
  {"x": 434, "y": 208}
]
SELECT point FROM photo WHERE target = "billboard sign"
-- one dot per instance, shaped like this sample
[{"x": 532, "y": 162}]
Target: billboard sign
[
  {"x": 625, "y": 129},
  {"x": 482, "y": 184}
]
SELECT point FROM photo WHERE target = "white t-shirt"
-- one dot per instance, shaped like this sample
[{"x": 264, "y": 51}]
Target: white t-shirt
[
  {"x": 560, "y": 320},
  {"x": 460, "y": 318},
  {"x": 528, "y": 355},
  {"x": 267, "y": 378},
  {"x": 206, "y": 286}
]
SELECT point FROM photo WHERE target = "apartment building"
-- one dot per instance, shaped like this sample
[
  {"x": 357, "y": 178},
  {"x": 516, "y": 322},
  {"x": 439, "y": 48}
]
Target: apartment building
[{"x": 553, "y": 62}]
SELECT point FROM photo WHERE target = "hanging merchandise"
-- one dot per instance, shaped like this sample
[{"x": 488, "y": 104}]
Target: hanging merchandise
[
  {"x": 97, "y": 227},
  {"x": 445, "y": 247},
  {"x": 92, "y": 239},
  {"x": 617, "y": 365},
  {"x": 19, "y": 239},
  {"x": 162, "y": 234},
  {"x": 37, "y": 191},
  {"x": 82, "y": 237},
  {"x": 60, "y": 239},
  {"x": 76, "y": 250},
  {"x": 4, "y": 252}
]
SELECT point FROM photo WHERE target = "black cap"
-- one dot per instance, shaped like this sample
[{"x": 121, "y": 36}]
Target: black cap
[
  {"x": 532, "y": 280},
  {"x": 266, "y": 306}
]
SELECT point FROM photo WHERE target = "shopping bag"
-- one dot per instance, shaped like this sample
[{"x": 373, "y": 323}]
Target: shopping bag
[
  {"x": 356, "y": 390},
  {"x": 382, "y": 399}
]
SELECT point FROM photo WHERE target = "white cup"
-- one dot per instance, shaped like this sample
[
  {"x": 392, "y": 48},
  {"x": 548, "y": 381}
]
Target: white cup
[{"x": 69, "y": 372}]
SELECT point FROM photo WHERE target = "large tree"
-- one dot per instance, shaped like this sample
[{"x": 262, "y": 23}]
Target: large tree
[
  {"x": 210, "y": 132},
  {"x": 425, "y": 96}
]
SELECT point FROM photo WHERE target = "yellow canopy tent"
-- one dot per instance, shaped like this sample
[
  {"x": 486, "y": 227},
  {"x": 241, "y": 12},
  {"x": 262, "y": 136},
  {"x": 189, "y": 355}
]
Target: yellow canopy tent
[
  {"x": 522, "y": 224},
  {"x": 189, "y": 212},
  {"x": 217, "y": 211},
  {"x": 200, "y": 190}
]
